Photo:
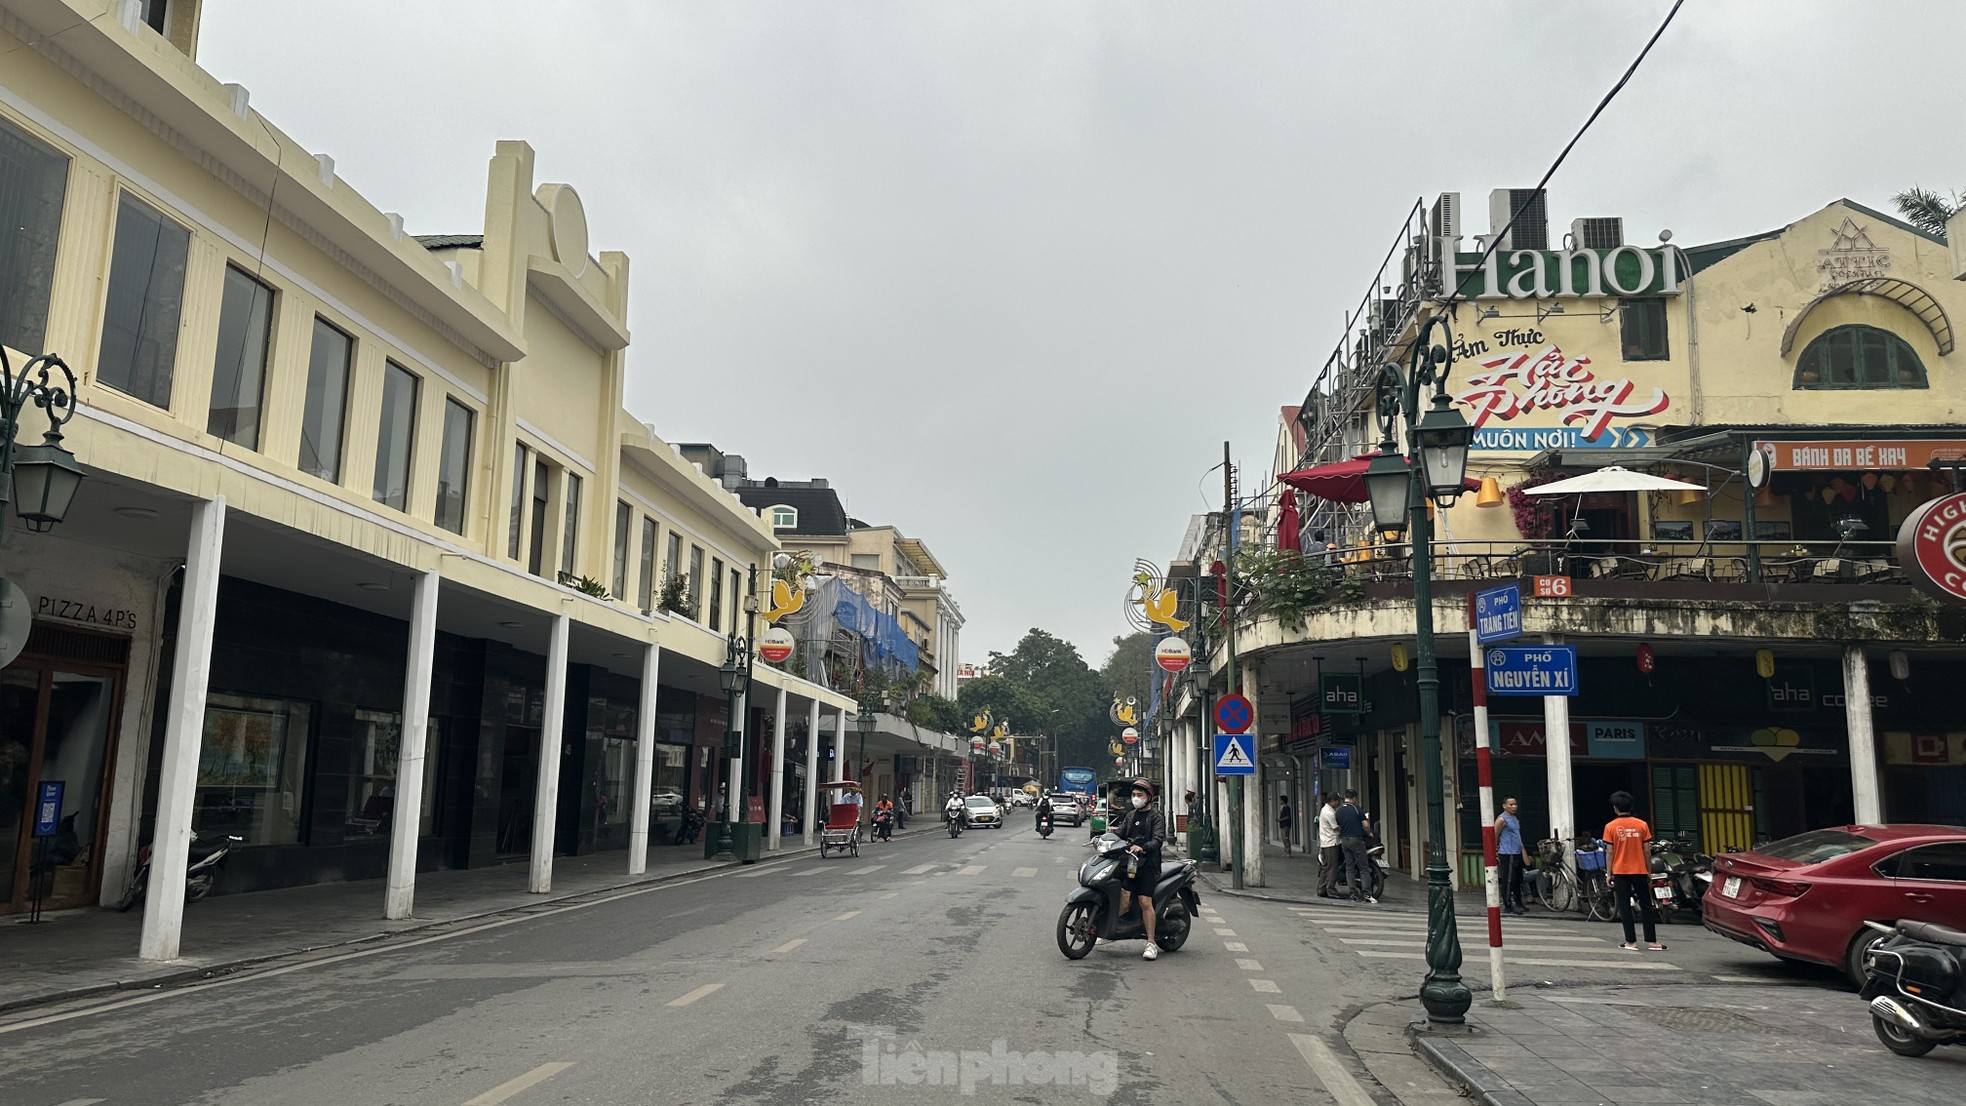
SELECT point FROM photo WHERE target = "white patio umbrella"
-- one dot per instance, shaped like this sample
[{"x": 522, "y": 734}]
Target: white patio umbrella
[{"x": 1613, "y": 478}]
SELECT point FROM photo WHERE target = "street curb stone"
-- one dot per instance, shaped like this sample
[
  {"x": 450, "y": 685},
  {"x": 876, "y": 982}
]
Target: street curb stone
[{"x": 1453, "y": 1061}]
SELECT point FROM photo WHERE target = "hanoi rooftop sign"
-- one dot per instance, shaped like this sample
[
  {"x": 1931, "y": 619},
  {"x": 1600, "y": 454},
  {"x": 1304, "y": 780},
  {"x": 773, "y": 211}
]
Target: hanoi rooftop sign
[{"x": 1551, "y": 274}]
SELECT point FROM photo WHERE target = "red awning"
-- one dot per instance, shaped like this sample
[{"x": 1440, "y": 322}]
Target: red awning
[{"x": 1342, "y": 481}]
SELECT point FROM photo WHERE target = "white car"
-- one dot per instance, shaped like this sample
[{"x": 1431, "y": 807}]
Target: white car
[
  {"x": 1067, "y": 810},
  {"x": 982, "y": 810}
]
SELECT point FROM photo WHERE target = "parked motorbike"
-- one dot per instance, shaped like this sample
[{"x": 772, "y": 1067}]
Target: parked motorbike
[
  {"x": 689, "y": 827},
  {"x": 206, "y": 857},
  {"x": 955, "y": 818},
  {"x": 1680, "y": 877},
  {"x": 1375, "y": 875},
  {"x": 1915, "y": 981},
  {"x": 883, "y": 825},
  {"x": 1092, "y": 911},
  {"x": 1044, "y": 825}
]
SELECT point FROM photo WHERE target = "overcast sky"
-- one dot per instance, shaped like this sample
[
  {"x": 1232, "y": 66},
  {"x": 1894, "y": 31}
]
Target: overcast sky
[{"x": 1009, "y": 274}]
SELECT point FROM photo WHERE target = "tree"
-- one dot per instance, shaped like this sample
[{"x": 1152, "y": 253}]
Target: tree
[
  {"x": 936, "y": 713},
  {"x": 1927, "y": 210},
  {"x": 1066, "y": 698},
  {"x": 1130, "y": 670}
]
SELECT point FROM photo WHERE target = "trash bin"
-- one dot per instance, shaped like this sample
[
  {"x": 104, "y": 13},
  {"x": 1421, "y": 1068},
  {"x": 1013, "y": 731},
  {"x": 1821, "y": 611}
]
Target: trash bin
[{"x": 747, "y": 841}]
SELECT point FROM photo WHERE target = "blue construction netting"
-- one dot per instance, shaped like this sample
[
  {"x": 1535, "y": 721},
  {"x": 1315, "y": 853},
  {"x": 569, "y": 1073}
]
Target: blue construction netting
[{"x": 883, "y": 635}]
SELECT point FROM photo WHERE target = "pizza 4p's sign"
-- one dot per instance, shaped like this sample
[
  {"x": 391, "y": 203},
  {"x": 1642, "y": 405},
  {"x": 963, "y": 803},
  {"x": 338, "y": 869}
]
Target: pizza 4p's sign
[{"x": 1516, "y": 386}]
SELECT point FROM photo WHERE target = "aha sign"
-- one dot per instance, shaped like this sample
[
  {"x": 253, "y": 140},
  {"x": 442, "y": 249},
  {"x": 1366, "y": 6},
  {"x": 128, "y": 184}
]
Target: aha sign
[
  {"x": 775, "y": 645},
  {"x": 1932, "y": 547},
  {"x": 1173, "y": 654}
]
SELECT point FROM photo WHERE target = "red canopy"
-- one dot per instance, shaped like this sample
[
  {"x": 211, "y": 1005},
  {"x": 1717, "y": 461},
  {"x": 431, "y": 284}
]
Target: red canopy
[
  {"x": 1288, "y": 524},
  {"x": 1343, "y": 481}
]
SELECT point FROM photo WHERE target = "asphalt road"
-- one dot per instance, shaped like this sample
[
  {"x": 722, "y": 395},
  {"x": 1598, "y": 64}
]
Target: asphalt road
[{"x": 925, "y": 968}]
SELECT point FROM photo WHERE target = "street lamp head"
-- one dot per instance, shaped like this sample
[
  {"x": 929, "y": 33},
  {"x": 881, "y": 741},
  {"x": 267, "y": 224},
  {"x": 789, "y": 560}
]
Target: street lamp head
[
  {"x": 866, "y": 721},
  {"x": 735, "y": 672},
  {"x": 45, "y": 479},
  {"x": 1444, "y": 437},
  {"x": 1387, "y": 481}
]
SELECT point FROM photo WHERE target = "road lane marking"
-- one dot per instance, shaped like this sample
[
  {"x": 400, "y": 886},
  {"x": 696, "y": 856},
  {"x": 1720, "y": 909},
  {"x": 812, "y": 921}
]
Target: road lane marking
[
  {"x": 1284, "y": 1013},
  {"x": 1266, "y": 986},
  {"x": 1330, "y": 1071},
  {"x": 82, "y": 1102},
  {"x": 811, "y": 872},
  {"x": 1226, "y": 933},
  {"x": 973, "y": 870},
  {"x": 920, "y": 869},
  {"x": 1540, "y": 962},
  {"x": 790, "y": 945},
  {"x": 1249, "y": 965},
  {"x": 1023, "y": 873},
  {"x": 868, "y": 870},
  {"x": 1235, "y": 946},
  {"x": 511, "y": 1087},
  {"x": 1527, "y": 942},
  {"x": 891, "y": 894},
  {"x": 706, "y": 989},
  {"x": 848, "y": 916},
  {"x": 754, "y": 873}
]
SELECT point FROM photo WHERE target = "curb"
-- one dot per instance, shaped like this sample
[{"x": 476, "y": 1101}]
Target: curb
[
  {"x": 166, "y": 977},
  {"x": 1453, "y": 1061},
  {"x": 1222, "y": 888}
]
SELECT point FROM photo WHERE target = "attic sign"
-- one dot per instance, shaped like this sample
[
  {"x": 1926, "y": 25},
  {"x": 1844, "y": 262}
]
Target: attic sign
[
  {"x": 1851, "y": 257},
  {"x": 1549, "y": 274}
]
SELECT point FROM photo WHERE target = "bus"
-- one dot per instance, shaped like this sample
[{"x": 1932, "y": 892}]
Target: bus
[{"x": 1081, "y": 781}]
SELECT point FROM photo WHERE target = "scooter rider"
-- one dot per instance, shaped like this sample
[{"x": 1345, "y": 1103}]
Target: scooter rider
[
  {"x": 953, "y": 809},
  {"x": 1044, "y": 808},
  {"x": 1143, "y": 827}
]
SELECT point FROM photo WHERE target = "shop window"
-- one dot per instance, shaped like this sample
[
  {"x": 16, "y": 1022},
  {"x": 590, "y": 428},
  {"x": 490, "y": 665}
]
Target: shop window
[
  {"x": 454, "y": 467},
  {"x": 252, "y": 765},
  {"x": 395, "y": 437},
  {"x": 1857, "y": 356},
  {"x": 327, "y": 398},
  {"x": 372, "y": 794},
  {"x": 245, "y": 329},
  {"x": 33, "y": 183},
  {"x": 1642, "y": 329},
  {"x": 515, "y": 535},
  {"x": 645, "y": 597},
  {"x": 614, "y": 785},
  {"x": 146, "y": 295},
  {"x": 570, "y": 536},
  {"x": 671, "y": 781},
  {"x": 624, "y": 522}
]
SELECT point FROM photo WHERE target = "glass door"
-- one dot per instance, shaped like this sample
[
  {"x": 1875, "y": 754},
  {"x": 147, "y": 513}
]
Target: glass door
[
  {"x": 20, "y": 699},
  {"x": 54, "y": 725}
]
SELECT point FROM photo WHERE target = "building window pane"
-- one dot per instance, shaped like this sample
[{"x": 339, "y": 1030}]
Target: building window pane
[
  {"x": 372, "y": 796},
  {"x": 1858, "y": 356},
  {"x": 33, "y": 181},
  {"x": 784, "y": 518},
  {"x": 395, "y": 437},
  {"x": 696, "y": 582},
  {"x": 869, "y": 562},
  {"x": 645, "y": 598},
  {"x": 245, "y": 325},
  {"x": 542, "y": 491},
  {"x": 454, "y": 467},
  {"x": 716, "y": 594},
  {"x": 327, "y": 398},
  {"x": 674, "y": 566},
  {"x": 252, "y": 765},
  {"x": 624, "y": 521},
  {"x": 1643, "y": 329},
  {"x": 146, "y": 294},
  {"x": 515, "y": 536},
  {"x": 570, "y": 537},
  {"x": 156, "y": 14},
  {"x": 736, "y": 603}
]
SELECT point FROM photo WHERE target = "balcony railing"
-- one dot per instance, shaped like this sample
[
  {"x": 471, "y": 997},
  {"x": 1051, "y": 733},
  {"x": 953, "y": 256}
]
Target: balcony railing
[
  {"x": 928, "y": 583},
  {"x": 1769, "y": 562}
]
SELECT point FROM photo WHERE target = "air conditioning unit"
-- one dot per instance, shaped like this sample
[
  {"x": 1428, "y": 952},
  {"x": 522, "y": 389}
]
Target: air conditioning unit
[
  {"x": 1529, "y": 207},
  {"x": 1598, "y": 234},
  {"x": 1444, "y": 219},
  {"x": 1391, "y": 312}
]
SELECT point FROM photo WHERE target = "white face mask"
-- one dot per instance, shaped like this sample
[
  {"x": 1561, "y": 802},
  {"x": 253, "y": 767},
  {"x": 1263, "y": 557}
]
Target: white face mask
[{"x": 1139, "y": 801}]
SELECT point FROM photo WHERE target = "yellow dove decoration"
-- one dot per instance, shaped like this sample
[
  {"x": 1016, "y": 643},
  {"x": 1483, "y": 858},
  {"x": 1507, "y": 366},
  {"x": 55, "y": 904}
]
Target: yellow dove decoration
[
  {"x": 1160, "y": 605},
  {"x": 786, "y": 598},
  {"x": 980, "y": 723},
  {"x": 1002, "y": 730}
]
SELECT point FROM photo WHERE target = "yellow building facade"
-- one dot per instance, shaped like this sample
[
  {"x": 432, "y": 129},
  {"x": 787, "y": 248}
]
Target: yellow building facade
[{"x": 348, "y": 493}]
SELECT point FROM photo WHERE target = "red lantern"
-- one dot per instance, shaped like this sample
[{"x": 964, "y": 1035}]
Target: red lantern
[{"x": 1646, "y": 661}]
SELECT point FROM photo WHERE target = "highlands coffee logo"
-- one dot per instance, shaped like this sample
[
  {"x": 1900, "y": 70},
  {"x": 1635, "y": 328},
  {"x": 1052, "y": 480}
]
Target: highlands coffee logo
[
  {"x": 1513, "y": 385},
  {"x": 1932, "y": 547}
]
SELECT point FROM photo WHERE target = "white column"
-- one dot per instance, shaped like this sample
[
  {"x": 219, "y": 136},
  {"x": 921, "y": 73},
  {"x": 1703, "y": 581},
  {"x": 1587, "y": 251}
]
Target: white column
[
  {"x": 734, "y": 783},
  {"x": 775, "y": 802},
  {"x": 1562, "y": 795},
  {"x": 1864, "y": 785},
  {"x": 546, "y": 800},
  {"x": 1450, "y": 789},
  {"x": 406, "y": 816},
  {"x": 840, "y": 751},
  {"x": 184, "y": 729},
  {"x": 644, "y": 790},
  {"x": 812, "y": 774}
]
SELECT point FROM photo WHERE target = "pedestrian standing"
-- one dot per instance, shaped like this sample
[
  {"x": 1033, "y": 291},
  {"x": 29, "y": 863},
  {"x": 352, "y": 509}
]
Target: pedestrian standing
[
  {"x": 1508, "y": 856},
  {"x": 1283, "y": 821},
  {"x": 1352, "y": 828},
  {"x": 1328, "y": 852},
  {"x": 1631, "y": 871}
]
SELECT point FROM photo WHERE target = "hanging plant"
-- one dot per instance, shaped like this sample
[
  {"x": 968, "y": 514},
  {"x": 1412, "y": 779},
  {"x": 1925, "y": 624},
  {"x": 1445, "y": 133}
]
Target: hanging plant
[
  {"x": 1533, "y": 518},
  {"x": 675, "y": 596}
]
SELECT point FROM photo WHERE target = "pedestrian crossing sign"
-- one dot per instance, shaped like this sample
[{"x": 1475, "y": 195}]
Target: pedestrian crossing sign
[{"x": 1232, "y": 755}]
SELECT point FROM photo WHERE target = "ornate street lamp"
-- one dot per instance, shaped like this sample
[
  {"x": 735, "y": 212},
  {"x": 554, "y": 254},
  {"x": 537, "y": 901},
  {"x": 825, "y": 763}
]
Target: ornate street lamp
[
  {"x": 1398, "y": 490},
  {"x": 735, "y": 678},
  {"x": 40, "y": 479}
]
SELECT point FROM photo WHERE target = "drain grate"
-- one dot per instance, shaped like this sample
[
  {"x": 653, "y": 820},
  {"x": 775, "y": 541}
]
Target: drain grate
[{"x": 1702, "y": 1018}]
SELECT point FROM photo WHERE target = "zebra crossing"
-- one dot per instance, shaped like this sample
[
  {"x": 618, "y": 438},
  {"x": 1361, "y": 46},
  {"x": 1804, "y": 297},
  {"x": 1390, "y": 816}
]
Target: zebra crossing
[{"x": 1531, "y": 943}]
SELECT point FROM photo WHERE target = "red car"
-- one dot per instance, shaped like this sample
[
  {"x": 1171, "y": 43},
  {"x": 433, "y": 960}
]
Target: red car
[{"x": 1807, "y": 897}]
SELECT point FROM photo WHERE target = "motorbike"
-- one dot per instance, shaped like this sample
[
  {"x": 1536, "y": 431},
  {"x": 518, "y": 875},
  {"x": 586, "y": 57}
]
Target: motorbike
[
  {"x": 955, "y": 818},
  {"x": 202, "y": 863},
  {"x": 689, "y": 827},
  {"x": 1375, "y": 875},
  {"x": 1915, "y": 982},
  {"x": 1092, "y": 910},
  {"x": 883, "y": 825},
  {"x": 1680, "y": 877},
  {"x": 1044, "y": 824}
]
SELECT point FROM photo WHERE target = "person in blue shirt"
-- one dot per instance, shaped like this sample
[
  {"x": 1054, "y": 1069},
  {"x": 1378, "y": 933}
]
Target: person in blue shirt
[
  {"x": 1352, "y": 828},
  {"x": 1508, "y": 857}
]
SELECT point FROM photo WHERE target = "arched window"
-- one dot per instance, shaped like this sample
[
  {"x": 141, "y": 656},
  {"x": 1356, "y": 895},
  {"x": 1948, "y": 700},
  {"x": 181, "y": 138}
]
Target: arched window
[
  {"x": 1857, "y": 356},
  {"x": 784, "y": 518}
]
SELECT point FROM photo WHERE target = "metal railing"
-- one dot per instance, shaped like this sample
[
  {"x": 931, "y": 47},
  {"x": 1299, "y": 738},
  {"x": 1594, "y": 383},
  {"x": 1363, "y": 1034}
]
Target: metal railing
[{"x": 1766, "y": 562}]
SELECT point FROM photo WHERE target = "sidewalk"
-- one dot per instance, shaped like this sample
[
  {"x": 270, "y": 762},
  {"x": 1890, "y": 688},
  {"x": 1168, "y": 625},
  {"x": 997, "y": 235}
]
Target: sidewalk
[
  {"x": 1294, "y": 879},
  {"x": 79, "y": 952},
  {"x": 1666, "y": 1045}
]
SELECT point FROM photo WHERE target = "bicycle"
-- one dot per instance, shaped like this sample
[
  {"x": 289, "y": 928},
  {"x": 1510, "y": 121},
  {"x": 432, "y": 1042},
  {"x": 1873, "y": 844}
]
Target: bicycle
[
  {"x": 1556, "y": 886},
  {"x": 1596, "y": 890}
]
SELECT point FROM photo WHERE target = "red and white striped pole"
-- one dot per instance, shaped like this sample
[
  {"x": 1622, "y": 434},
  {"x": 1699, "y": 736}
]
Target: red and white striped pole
[{"x": 1484, "y": 775}]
